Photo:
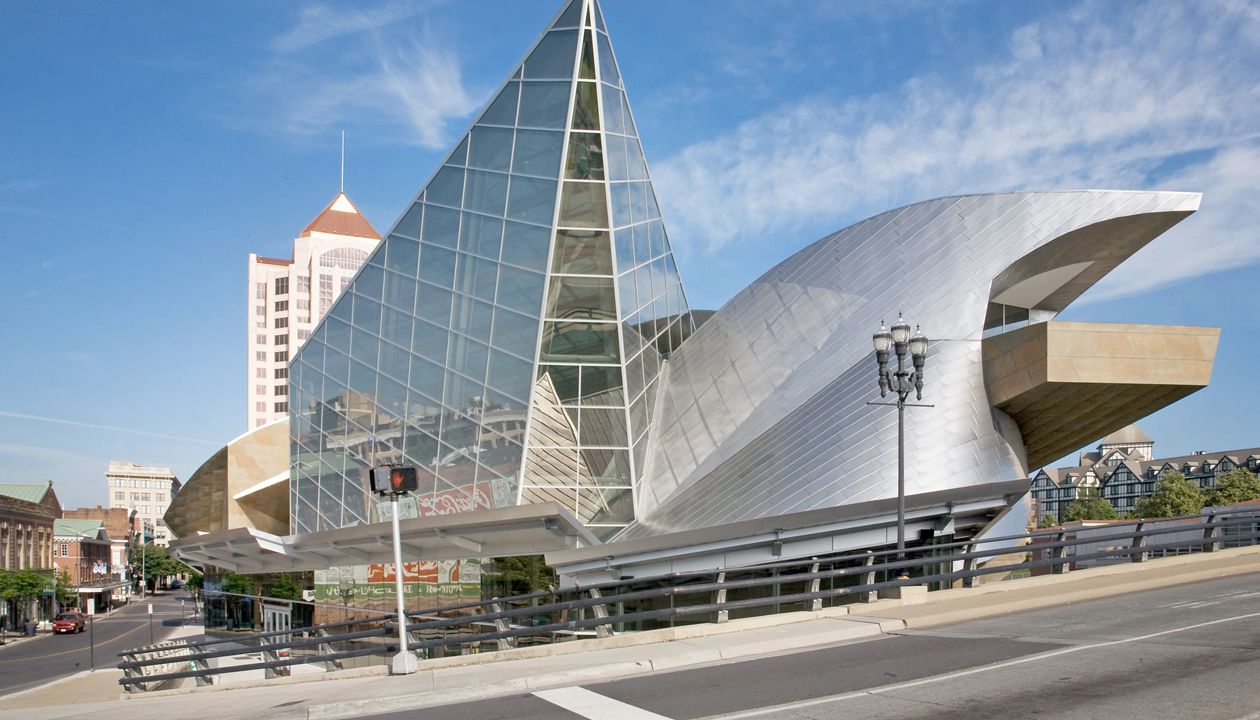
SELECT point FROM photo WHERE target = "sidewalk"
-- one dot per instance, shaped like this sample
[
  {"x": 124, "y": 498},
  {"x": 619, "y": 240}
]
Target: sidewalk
[{"x": 471, "y": 677}]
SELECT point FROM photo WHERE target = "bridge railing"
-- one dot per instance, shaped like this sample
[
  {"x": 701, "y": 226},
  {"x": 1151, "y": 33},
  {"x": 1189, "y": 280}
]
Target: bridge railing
[{"x": 701, "y": 596}]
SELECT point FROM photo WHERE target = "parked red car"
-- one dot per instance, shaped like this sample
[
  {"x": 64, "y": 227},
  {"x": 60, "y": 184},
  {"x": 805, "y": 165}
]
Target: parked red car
[{"x": 69, "y": 622}]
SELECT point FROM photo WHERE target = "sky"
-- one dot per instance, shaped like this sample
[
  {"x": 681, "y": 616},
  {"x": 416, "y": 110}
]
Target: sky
[{"x": 147, "y": 148}]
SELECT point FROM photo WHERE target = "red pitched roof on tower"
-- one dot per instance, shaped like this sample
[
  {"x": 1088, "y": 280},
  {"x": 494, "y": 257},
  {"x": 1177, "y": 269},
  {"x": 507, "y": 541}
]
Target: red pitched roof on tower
[{"x": 341, "y": 217}]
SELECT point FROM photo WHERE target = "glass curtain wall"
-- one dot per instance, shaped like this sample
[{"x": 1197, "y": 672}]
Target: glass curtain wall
[{"x": 528, "y": 290}]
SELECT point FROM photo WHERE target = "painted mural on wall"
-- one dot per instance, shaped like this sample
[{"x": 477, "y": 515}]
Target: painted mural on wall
[{"x": 427, "y": 583}]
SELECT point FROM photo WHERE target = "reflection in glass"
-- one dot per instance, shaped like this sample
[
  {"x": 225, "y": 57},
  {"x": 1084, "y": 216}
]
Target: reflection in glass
[
  {"x": 582, "y": 252},
  {"x": 586, "y": 159},
  {"x": 583, "y": 205},
  {"x": 586, "y": 107},
  {"x": 584, "y": 298},
  {"x": 579, "y": 342}
]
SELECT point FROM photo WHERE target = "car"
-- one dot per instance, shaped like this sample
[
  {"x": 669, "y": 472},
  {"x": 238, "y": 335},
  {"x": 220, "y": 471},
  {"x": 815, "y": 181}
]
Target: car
[
  {"x": 177, "y": 584},
  {"x": 69, "y": 622}
]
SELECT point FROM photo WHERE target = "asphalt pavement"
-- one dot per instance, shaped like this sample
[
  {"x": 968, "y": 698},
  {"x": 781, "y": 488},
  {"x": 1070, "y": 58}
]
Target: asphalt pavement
[
  {"x": 41, "y": 660},
  {"x": 1191, "y": 651}
]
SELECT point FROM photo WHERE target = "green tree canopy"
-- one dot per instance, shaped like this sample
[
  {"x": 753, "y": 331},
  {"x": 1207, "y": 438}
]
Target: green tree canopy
[
  {"x": 1047, "y": 522},
  {"x": 1089, "y": 507},
  {"x": 156, "y": 562},
  {"x": 1174, "y": 495},
  {"x": 1237, "y": 485},
  {"x": 23, "y": 586},
  {"x": 284, "y": 587}
]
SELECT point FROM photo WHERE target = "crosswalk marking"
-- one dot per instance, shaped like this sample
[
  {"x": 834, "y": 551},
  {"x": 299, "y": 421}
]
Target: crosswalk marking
[{"x": 594, "y": 706}]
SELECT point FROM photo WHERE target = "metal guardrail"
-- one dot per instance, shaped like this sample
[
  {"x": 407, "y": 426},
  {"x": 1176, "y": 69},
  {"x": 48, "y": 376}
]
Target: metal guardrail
[{"x": 715, "y": 595}]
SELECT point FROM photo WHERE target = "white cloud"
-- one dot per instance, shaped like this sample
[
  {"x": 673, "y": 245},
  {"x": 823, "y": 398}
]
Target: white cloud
[
  {"x": 361, "y": 68},
  {"x": 1090, "y": 97},
  {"x": 324, "y": 22}
]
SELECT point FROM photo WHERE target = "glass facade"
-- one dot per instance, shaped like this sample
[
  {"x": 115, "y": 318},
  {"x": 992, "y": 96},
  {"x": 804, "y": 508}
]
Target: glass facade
[{"x": 507, "y": 336}]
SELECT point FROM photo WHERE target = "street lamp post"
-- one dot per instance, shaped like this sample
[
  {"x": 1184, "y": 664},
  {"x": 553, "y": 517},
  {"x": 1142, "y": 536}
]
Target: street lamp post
[
  {"x": 902, "y": 382},
  {"x": 395, "y": 482}
]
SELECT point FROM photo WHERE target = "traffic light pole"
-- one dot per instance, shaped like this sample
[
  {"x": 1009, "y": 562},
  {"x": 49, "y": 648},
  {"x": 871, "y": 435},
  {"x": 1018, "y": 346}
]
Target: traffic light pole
[{"x": 404, "y": 662}]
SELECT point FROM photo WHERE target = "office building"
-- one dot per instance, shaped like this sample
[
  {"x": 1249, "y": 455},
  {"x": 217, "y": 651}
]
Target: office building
[
  {"x": 145, "y": 490},
  {"x": 288, "y": 297}
]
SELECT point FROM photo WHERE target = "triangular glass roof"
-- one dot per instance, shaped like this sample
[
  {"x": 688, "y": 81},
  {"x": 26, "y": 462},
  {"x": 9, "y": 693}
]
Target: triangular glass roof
[{"x": 507, "y": 336}]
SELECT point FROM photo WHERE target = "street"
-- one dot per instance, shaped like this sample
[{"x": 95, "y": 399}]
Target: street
[
  {"x": 41, "y": 660},
  {"x": 1190, "y": 651}
]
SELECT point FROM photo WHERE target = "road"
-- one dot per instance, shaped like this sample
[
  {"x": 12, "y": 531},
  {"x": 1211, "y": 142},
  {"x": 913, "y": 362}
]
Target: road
[
  {"x": 1184, "y": 652},
  {"x": 44, "y": 659}
]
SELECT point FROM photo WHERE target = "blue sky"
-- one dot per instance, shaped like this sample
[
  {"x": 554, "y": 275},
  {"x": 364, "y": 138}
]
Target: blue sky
[{"x": 149, "y": 148}]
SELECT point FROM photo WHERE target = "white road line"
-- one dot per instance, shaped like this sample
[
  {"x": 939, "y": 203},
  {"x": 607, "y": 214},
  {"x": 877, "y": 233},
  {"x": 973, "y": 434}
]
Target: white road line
[
  {"x": 974, "y": 671},
  {"x": 595, "y": 706}
]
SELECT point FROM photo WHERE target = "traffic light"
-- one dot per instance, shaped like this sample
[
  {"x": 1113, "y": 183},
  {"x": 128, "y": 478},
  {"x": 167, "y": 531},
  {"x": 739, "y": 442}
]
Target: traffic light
[{"x": 394, "y": 480}]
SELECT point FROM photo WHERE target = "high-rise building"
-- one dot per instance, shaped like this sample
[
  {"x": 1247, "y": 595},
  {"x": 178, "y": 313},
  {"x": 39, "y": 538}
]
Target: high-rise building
[
  {"x": 146, "y": 490},
  {"x": 289, "y": 297}
]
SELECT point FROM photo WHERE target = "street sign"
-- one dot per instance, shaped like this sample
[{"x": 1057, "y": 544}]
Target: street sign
[{"x": 91, "y": 606}]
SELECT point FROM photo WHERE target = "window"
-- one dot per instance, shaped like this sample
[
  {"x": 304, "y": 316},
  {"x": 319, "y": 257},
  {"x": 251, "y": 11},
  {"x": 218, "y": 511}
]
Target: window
[
  {"x": 260, "y": 389},
  {"x": 135, "y": 497},
  {"x": 260, "y": 355},
  {"x": 120, "y": 496},
  {"x": 282, "y": 305},
  {"x": 160, "y": 497},
  {"x": 260, "y": 310},
  {"x": 260, "y": 291},
  {"x": 303, "y": 334},
  {"x": 260, "y": 373},
  {"x": 146, "y": 496},
  {"x": 303, "y": 304},
  {"x": 282, "y": 390},
  {"x": 260, "y": 407},
  {"x": 282, "y": 373},
  {"x": 344, "y": 258},
  {"x": 282, "y": 407},
  {"x": 260, "y": 339},
  {"x": 65, "y": 550},
  {"x": 282, "y": 323},
  {"x": 282, "y": 356},
  {"x": 282, "y": 339},
  {"x": 303, "y": 285},
  {"x": 282, "y": 286}
]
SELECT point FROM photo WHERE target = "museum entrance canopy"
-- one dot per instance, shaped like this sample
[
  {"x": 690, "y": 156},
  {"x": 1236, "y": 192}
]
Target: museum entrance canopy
[{"x": 522, "y": 530}]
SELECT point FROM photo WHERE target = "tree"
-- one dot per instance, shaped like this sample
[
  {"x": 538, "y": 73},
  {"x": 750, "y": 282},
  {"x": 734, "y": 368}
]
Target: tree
[
  {"x": 1237, "y": 485},
  {"x": 1174, "y": 496},
  {"x": 284, "y": 587},
  {"x": 1047, "y": 522},
  {"x": 1089, "y": 507},
  {"x": 156, "y": 563},
  {"x": 63, "y": 590},
  {"x": 22, "y": 587},
  {"x": 238, "y": 585},
  {"x": 518, "y": 575}
]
